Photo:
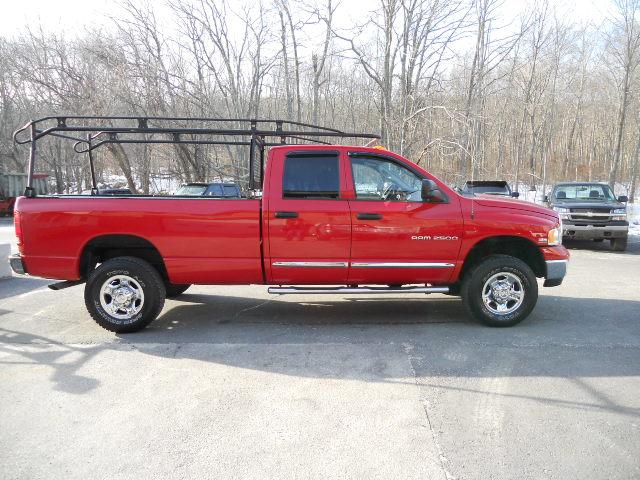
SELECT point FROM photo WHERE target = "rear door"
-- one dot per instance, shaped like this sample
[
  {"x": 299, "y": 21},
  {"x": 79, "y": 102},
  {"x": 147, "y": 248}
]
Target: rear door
[
  {"x": 397, "y": 238},
  {"x": 309, "y": 224}
]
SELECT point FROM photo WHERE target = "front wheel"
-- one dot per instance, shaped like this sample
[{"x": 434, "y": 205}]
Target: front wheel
[
  {"x": 124, "y": 294},
  {"x": 500, "y": 291}
]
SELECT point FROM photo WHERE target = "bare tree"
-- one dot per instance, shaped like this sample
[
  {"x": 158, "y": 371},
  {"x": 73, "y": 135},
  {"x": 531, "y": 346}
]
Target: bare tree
[
  {"x": 489, "y": 53},
  {"x": 624, "y": 44},
  {"x": 537, "y": 39},
  {"x": 293, "y": 28},
  {"x": 318, "y": 60},
  {"x": 453, "y": 84}
]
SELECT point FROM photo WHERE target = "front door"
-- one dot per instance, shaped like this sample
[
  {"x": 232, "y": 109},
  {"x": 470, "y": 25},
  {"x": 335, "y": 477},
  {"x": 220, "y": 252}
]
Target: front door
[
  {"x": 308, "y": 220},
  {"x": 397, "y": 238}
]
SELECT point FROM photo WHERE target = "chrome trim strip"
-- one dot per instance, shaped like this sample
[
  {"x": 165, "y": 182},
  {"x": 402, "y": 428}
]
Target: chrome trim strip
[
  {"x": 364, "y": 264},
  {"x": 312, "y": 264},
  {"x": 357, "y": 290},
  {"x": 401, "y": 265},
  {"x": 556, "y": 261}
]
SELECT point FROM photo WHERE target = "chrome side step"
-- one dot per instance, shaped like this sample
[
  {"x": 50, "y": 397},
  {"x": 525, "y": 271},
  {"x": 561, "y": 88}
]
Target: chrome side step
[{"x": 354, "y": 290}]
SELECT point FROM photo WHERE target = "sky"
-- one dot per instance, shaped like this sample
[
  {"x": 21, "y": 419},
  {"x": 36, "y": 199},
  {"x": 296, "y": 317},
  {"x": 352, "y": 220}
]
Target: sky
[{"x": 73, "y": 16}]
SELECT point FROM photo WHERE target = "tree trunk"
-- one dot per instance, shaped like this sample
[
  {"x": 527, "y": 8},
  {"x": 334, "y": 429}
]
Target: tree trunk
[
  {"x": 634, "y": 168},
  {"x": 622, "y": 117},
  {"x": 285, "y": 67}
]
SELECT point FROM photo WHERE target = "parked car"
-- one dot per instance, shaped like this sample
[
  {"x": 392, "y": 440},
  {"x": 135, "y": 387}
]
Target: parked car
[
  {"x": 492, "y": 187},
  {"x": 219, "y": 190},
  {"x": 332, "y": 219},
  {"x": 590, "y": 211},
  {"x": 115, "y": 191}
]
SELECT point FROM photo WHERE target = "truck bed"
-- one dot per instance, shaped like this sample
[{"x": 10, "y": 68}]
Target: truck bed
[{"x": 202, "y": 240}]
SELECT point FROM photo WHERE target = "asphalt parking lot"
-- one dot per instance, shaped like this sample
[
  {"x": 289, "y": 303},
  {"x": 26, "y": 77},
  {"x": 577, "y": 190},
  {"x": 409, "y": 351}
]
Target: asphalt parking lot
[{"x": 232, "y": 383}]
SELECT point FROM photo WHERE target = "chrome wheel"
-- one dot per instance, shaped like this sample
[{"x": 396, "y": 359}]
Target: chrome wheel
[
  {"x": 122, "y": 297},
  {"x": 503, "y": 293}
]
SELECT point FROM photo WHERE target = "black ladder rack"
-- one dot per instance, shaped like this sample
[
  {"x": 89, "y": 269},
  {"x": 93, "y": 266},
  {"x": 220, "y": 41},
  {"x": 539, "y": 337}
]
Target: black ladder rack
[{"x": 257, "y": 134}]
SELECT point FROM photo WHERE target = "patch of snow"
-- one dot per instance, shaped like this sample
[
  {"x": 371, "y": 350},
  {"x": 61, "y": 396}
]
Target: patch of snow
[{"x": 633, "y": 215}]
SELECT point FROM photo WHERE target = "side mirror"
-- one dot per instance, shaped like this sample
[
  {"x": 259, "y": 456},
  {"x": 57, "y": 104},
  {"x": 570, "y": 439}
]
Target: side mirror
[
  {"x": 546, "y": 199},
  {"x": 623, "y": 199},
  {"x": 515, "y": 194},
  {"x": 431, "y": 192}
]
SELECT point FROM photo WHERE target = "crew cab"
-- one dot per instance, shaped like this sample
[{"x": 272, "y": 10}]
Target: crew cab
[
  {"x": 590, "y": 211},
  {"x": 332, "y": 219}
]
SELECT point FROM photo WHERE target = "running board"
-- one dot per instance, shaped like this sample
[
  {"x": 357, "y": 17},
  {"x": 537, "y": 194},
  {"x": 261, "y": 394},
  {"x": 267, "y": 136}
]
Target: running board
[
  {"x": 354, "y": 290},
  {"x": 65, "y": 284}
]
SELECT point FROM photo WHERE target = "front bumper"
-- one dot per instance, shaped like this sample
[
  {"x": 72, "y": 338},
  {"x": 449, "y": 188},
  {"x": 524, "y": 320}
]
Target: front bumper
[
  {"x": 17, "y": 264},
  {"x": 590, "y": 232},
  {"x": 556, "y": 271}
]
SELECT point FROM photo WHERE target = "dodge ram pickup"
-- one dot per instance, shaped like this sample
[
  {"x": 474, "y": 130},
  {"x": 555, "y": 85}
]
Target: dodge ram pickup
[{"x": 331, "y": 219}]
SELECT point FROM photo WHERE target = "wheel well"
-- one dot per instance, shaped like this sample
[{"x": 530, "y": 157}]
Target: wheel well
[
  {"x": 517, "y": 247},
  {"x": 101, "y": 249}
]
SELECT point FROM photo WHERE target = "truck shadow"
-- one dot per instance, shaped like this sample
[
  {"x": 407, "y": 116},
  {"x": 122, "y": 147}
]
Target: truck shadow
[
  {"x": 321, "y": 310},
  {"x": 205, "y": 318},
  {"x": 12, "y": 286},
  {"x": 365, "y": 340}
]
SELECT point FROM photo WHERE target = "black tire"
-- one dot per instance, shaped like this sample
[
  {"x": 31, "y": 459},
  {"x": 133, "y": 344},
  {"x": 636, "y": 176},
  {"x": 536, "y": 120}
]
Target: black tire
[
  {"x": 142, "y": 273},
  {"x": 619, "y": 244},
  {"x": 475, "y": 280},
  {"x": 174, "y": 290}
]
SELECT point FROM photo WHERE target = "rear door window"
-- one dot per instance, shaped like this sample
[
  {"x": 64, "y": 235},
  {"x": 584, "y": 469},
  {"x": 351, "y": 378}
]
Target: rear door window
[{"x": 311, "y": 176}]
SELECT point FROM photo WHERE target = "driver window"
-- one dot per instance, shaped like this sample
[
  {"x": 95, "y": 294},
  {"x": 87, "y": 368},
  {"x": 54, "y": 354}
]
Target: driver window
[{"x": 384, "y": 180}]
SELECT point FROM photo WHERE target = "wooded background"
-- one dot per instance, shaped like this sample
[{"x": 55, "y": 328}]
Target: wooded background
[{"x": 453, "y": 85}]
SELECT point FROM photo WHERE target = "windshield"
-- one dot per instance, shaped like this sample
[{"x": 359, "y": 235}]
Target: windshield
[
  {"x": 191, "y": 190},
  {"x": 219, "y": 190},
  {"x": 586, "y": 192}
]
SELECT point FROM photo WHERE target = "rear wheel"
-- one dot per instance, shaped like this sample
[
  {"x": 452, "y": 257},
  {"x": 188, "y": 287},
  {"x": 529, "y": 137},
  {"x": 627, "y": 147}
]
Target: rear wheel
[
  {"x": 174, "y": 290},
  {"x": 124, "y": 294},
  {"x": 500, "y": 291},
  {"x": 619, "y": 244}
]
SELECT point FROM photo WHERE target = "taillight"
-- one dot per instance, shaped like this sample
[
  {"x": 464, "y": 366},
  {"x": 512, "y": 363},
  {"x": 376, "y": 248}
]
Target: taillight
[{"x": 18, "y": 224}]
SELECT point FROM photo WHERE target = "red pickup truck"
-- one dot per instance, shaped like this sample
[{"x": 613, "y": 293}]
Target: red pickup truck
[{"x": 331, "y": 219}]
